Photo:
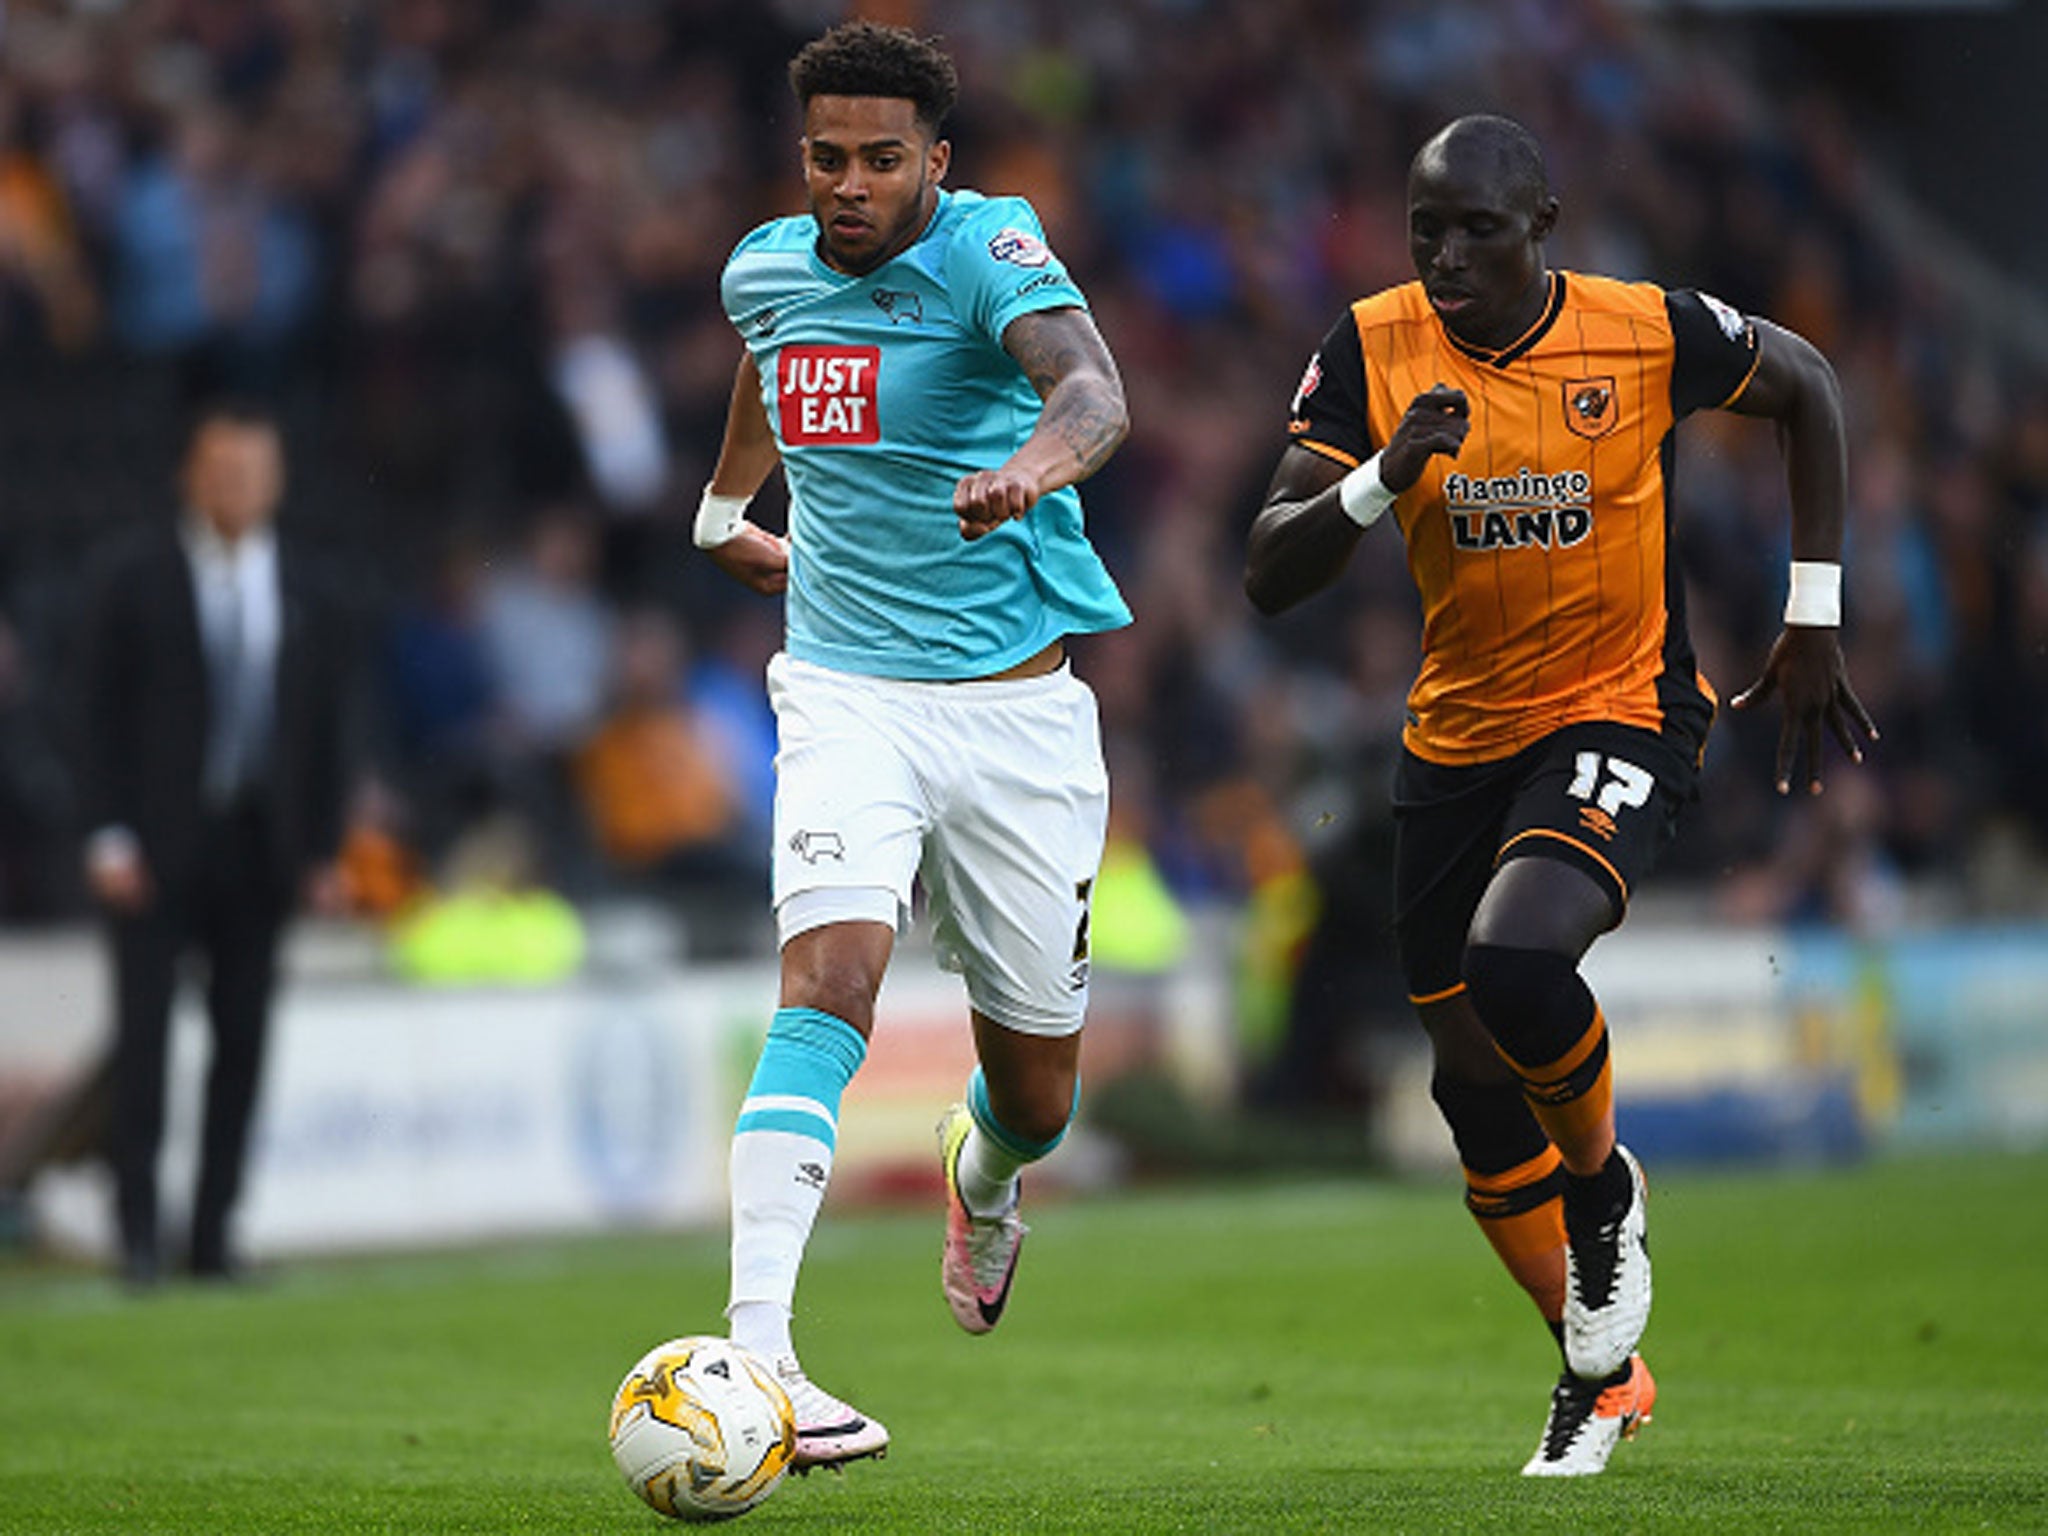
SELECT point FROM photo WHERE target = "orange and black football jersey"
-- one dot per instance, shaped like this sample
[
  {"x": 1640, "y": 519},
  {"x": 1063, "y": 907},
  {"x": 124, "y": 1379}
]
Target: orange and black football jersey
[{"x": 1543, "y": 551}]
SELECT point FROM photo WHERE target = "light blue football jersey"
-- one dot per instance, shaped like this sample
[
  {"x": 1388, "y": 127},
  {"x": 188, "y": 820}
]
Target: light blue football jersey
[{"x": 883, "y": 391}]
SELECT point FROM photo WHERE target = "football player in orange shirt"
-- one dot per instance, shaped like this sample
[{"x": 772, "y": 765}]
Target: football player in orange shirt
[{"x": 1517, "y": 421}]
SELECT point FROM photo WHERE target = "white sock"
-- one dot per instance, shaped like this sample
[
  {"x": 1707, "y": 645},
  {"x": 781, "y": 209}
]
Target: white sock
[
  {"x": 763, "y": 1327},
  {"x": 778, "y": 1183},
  {"x": 988, "y": 1175}
]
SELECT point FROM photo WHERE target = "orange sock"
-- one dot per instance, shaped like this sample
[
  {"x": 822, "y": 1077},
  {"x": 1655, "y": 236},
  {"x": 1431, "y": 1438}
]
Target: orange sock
[
  {"x": 1521, "y": 1212},
  {"x": 1572, "y": 1097}
]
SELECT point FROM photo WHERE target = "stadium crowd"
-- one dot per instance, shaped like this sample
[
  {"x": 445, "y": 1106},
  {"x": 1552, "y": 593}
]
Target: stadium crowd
[{"x": 470, "y": 248}]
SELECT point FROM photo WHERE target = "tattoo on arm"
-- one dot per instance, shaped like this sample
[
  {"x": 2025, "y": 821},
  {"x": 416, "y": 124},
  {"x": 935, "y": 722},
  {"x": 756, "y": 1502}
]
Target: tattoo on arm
[
  {"x": 1088, "y": 416},
  {"x": 1064, "y": 357}
]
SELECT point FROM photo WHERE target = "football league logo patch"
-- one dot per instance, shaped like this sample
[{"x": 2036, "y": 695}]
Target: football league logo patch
[
  {"x": 1311, "y": 380},
  {"x": 1734, "y": 324},
  {"x": 1590, "y": 409},
  {"x": 1311, "y": 377},
  {"x": 1019, "y": 247}
]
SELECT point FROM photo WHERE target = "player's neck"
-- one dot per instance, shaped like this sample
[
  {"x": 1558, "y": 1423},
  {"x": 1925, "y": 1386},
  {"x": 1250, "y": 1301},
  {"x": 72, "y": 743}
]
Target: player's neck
[
  {"x": 1515, "y": 324},
  {"x": 895, "y": 248}
]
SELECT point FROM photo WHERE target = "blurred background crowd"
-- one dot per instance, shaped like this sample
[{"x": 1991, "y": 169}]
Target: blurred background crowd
[{"x": 470, "y": 249}]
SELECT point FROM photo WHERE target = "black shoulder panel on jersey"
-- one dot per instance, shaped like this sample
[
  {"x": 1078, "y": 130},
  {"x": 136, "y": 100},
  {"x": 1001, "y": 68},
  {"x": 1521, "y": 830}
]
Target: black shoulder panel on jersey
[
  {"x": 1714, "y": 351},
  {"x": 1329, "y": 404}
]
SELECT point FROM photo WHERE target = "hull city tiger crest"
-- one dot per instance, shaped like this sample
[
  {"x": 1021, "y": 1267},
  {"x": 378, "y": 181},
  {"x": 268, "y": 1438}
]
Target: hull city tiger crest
[{"x": 1589, "y": 405}]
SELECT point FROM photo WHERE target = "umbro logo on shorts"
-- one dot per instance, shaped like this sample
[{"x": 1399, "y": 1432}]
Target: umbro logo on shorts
[{"x": 813, "y": 846}]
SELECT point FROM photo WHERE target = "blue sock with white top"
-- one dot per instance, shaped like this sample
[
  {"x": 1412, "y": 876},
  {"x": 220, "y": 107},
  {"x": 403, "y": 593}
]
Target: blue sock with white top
[{"x": 993, "y": 1154}]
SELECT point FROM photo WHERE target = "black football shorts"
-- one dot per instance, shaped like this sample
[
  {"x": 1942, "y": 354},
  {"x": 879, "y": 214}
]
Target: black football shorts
[{"x": 1599, "y": 796}]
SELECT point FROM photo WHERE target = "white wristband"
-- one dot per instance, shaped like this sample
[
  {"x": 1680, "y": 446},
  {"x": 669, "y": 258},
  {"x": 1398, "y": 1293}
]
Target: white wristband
[
  {"x": 719, "y": 519},
  {"x": 1363, "y": 495},
  {"x": 1814, "y": 598}
]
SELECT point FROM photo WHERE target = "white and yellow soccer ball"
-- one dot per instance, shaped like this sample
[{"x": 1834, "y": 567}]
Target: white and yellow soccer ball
[{"x": 701, "y": 1429}]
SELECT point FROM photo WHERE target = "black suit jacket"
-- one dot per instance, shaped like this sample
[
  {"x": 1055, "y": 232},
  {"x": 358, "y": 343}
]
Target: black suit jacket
[{"x": 144, "y": 701}]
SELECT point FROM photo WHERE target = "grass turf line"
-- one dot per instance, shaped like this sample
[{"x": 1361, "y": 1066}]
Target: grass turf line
[{"x": 1851, "y": 1351}]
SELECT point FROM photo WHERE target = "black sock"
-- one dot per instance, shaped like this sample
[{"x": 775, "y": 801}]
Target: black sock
[{"x": 1597, "y": 1198}]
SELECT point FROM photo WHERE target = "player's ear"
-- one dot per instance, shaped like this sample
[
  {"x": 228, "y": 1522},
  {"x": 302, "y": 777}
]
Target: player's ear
[
  {"x": 1545, "y": 220},
  {"x": 941, "y": 156}
]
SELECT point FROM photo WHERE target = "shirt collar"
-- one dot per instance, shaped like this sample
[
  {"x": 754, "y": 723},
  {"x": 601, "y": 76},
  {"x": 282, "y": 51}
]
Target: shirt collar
[
  {"x": 1500, "y": 357},
  {"x": 209, "y": 547}
]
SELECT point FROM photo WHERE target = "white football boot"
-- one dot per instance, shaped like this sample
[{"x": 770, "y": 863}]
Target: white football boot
[
  {"x": 829, "y": 1433},
  {"x": 1607, "y": 1284},
  {"x": 1588, "y": 1419}
]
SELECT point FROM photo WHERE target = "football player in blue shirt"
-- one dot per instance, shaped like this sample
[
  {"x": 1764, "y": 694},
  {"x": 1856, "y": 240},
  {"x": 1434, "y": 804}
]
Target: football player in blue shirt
[{"x": 927, "y": 375}]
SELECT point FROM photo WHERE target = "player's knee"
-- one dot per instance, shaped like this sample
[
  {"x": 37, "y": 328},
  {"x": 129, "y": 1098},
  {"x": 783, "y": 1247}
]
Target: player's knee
[
  {"x": 1531, "y": 1001},
  {"x": 832, "y": 979},
  {"x": 1540, "y": 902}
]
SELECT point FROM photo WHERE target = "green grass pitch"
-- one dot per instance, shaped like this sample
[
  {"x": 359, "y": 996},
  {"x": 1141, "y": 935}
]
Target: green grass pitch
[{"x": 1853, "y": 1351}]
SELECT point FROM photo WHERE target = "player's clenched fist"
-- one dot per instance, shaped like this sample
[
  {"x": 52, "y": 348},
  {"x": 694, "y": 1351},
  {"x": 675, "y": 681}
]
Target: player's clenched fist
[
  {"x": 1436, "y": 422},
  {"x": 988, "y": 498},
  {"x": 755, "y": 557}
]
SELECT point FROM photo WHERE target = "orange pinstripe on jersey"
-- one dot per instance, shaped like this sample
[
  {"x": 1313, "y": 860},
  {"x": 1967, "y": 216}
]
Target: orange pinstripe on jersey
[{"x": 1539, "y": 551}]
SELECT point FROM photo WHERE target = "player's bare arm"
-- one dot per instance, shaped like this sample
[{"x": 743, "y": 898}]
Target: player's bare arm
[
  {"x": 1794, "y": 386},
  {"x": 1083, "y": 420},
  {"x": 1303, "y": 537},
  {"x": 753, "y": 556}
]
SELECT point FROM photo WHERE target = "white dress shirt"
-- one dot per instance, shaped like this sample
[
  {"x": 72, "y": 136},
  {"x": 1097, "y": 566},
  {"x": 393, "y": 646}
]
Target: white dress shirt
[{"x": 241, "y": 621}]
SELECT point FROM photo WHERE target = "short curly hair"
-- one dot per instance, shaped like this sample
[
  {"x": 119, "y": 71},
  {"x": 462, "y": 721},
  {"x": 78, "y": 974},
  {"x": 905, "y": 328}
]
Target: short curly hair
[{"x": 864, "y": 58}]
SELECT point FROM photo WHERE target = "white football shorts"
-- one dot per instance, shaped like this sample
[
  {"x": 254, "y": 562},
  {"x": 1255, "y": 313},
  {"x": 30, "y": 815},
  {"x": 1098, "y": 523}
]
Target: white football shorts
[{"x": 994, "y": 792}]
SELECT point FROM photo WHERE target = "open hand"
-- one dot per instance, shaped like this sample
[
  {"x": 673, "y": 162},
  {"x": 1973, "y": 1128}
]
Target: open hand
[{"x": 1805, "y": 668}]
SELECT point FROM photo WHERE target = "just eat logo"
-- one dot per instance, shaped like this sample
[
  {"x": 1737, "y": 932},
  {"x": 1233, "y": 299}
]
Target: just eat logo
[{"x": 827, "y": 394}]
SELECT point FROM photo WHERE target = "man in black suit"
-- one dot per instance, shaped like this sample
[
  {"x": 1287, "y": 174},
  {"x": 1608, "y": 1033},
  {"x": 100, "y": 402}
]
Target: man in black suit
[{"x": 218, "y": 750}]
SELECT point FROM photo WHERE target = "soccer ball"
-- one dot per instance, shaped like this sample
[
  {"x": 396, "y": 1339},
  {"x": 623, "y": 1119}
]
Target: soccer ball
[{"x": 701, "y": 1429}]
